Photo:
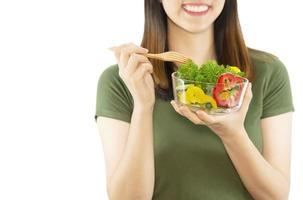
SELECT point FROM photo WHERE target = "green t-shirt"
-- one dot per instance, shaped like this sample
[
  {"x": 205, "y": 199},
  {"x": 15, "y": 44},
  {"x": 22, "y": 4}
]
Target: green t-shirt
[{"x": 190, "y": 160}]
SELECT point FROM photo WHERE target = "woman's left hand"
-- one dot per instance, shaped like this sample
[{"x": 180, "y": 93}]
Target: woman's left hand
[{"x": 225, "y": 126}]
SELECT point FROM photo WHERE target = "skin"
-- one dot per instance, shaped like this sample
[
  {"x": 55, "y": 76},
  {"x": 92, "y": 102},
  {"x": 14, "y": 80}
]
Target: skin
[
  {"x": 196, "y": 33},
  {"x": 128, "y": 147}
]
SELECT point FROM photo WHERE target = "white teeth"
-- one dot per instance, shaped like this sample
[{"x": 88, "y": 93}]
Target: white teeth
[{"x": 192, "y": 8}]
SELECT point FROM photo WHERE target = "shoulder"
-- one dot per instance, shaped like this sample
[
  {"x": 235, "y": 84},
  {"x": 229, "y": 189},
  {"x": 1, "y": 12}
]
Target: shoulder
[
  {"x": 111, "y": 82},
  {"x": 266, "y": 64},
  {"x": 110, "y": 77},
  {"x": 110, "y": 73}
]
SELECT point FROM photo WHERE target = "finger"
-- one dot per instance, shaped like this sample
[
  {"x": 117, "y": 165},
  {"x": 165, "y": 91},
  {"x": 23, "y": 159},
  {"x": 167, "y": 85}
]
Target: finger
[
  {"x": 176, "y": 107},
  {"x": 191, "y": 116},
  {"x": 207, "y": 119},
  {"x": 142, "y": 70},
  {"x": 247, "y": 99},
  {"x": 133, "y": 62},
  {"x": 127, "y": 51},
  {"x": 117, "y": 50}
]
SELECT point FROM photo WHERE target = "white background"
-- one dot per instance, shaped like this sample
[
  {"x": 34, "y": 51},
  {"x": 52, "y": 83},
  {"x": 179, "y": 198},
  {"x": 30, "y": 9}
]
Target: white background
[{"x": 51, "y": 56}]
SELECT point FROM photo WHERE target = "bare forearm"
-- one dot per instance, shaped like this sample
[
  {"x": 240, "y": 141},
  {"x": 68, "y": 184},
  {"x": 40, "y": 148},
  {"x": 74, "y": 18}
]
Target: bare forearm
[
  {"x": 260, "y": 178},
  {"x": 134, "y": 176}
]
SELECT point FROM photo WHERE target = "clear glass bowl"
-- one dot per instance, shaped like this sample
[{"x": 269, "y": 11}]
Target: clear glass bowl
[{"x": 223, "y": 97}]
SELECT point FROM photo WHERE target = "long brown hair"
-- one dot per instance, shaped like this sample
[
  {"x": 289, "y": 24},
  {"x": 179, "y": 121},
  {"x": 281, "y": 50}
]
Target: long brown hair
[{"x": 229, "y": 43}]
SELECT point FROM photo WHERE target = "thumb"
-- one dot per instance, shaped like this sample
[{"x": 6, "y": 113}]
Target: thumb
[{"x": 247, "y": 98}]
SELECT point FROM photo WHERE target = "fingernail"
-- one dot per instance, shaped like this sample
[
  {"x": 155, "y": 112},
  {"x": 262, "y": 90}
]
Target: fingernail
[{"x": 146, "y": 50}]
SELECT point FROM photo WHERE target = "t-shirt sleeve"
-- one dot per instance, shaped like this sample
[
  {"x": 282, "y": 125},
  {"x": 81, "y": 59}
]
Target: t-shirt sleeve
[
  {"x": 113, "y": 98},
  {"x": 277, "y": 92}
]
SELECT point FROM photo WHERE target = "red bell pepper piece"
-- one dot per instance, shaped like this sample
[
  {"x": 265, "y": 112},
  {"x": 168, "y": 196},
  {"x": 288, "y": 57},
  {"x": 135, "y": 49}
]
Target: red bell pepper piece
[{"x": 227, "y": 90}]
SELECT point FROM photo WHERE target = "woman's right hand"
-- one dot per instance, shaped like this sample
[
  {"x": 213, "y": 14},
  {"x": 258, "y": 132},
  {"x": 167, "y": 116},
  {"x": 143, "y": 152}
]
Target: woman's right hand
[{"x": 135, "y": 70}]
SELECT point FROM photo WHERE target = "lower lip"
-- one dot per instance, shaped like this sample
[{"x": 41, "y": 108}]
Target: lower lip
[{"x": 196, "y": 13}]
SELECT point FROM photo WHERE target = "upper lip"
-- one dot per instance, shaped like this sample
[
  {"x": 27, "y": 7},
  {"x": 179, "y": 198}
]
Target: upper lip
[{"x": 195, "y": 4}]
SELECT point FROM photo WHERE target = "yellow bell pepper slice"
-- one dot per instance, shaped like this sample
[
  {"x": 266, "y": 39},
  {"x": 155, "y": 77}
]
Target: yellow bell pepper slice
[
  {"x": 195, "y": 94},
  {"x": 209, "y": 99},
  {"x": 234, "y": 69}
]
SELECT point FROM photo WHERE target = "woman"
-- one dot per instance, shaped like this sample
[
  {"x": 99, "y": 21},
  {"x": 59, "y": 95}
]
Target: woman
[{"x": 155, "y": 149}]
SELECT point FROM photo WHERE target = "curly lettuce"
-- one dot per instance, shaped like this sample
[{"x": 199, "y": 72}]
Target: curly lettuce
[{"x": 207, "y": 72}]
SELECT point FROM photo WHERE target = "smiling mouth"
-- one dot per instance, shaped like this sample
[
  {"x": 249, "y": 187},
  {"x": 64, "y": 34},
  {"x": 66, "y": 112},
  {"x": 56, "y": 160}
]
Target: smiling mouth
[{"x": 195, "y": 8}]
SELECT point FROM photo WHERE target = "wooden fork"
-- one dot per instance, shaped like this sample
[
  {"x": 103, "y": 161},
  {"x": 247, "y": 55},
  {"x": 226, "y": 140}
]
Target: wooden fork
[{"x": 170, "y": 56}]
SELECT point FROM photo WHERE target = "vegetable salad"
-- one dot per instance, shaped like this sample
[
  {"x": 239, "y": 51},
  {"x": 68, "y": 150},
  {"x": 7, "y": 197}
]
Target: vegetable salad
[{"x": 209, "y": 86}]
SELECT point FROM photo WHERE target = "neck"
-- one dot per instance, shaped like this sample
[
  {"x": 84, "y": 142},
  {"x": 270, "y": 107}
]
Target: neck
[{"x": 199, "y": 47}]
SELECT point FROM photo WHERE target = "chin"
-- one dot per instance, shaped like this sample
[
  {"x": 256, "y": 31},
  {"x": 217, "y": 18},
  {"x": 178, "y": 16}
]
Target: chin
[{"x": 196, "y": 29}]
